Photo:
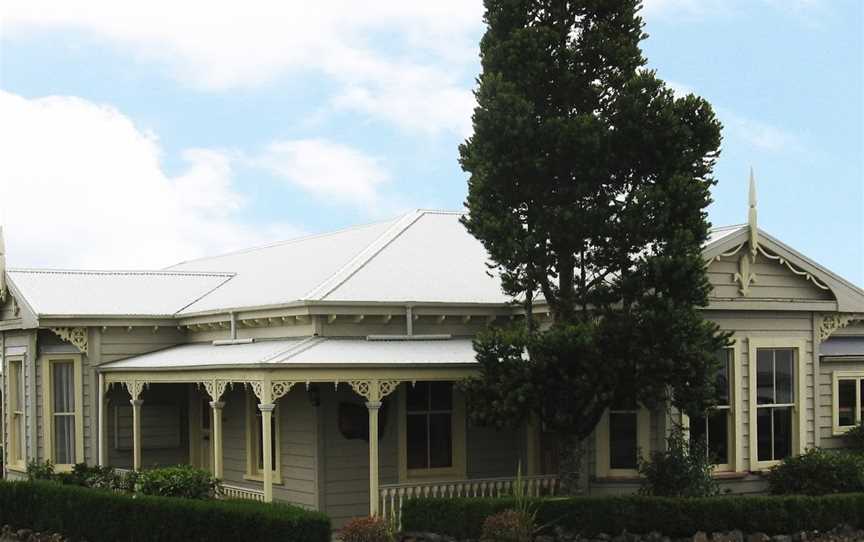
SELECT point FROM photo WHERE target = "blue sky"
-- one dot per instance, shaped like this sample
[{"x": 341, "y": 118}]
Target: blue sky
[{"x": 139, "y": 135}]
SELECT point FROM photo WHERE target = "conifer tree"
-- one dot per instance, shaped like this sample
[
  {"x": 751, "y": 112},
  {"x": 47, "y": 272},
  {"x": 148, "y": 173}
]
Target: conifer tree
[{"x": 589, "y": 183}]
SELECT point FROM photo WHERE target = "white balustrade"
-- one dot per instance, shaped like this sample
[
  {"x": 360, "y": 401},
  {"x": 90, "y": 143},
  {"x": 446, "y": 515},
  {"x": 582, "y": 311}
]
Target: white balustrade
[
  {"x": 237, "y": 492},
  {"x": 394, "y": 495}
]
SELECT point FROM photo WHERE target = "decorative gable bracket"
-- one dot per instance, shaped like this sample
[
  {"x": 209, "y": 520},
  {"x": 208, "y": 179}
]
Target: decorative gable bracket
[
  {"x": 829, "y": 323},
  {"x": 74, "y": 335}
]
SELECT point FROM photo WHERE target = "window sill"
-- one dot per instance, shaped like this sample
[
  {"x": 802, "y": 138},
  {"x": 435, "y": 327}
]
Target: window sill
[
  {"x": 277, "y": 480},
  {"x": 20, "y": 468},
  {"x": 839, "y": 431}
]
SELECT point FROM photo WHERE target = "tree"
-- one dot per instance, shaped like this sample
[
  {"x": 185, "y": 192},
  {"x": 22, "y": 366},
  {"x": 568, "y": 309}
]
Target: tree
[{"x": 589, "y": 183}]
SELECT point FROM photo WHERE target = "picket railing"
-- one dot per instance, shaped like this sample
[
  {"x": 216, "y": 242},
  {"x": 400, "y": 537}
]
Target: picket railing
[
  {"x": 237, "y": 492},
  {"x": 393, "y": 495}
]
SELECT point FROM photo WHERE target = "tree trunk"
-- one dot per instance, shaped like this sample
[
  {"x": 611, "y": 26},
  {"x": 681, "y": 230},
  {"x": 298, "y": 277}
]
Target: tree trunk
[{"x": 571, "y": 456}]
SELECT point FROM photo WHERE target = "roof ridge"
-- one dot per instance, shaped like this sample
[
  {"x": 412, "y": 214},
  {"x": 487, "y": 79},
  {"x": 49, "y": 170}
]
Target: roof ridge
[
  {"x": 331, "y": 283},
  {"x": 284, "y": 242},
  {"x": 166, "y": 272}
]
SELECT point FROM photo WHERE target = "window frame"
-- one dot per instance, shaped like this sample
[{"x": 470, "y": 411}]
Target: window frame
[
  {"x": 47, "y": 365},
  {"x": 603, "y": 445},
  {"x": 836, "y": 377},
  {"x": 799, "y": 390},
  {"x": 15, "y": 418},
  {"x": 458, "y": 431},
  {"x": 733, "y": 408},
  {"x": 253, "y": 432}
]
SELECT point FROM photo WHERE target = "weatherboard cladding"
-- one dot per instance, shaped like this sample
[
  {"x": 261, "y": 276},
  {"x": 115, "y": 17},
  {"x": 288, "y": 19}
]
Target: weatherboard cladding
[{"x": 423, "y": 256}]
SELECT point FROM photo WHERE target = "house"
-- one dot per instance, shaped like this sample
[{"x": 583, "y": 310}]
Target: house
[{"x": 272, "y": 367}]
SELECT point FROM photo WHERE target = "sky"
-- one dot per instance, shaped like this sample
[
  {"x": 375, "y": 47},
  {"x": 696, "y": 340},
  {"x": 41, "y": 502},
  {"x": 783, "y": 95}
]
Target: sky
[{"x": 137, "y": 135}]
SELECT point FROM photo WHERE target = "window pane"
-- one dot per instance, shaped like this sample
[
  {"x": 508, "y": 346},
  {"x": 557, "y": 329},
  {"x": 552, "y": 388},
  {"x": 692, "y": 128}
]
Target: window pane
[
  {"x": 418, "y": 397},
  {"x": 718, "y": 436},
  {"x": 783, "y": 378},
  {"x": 622, "y": 440},
  {"x": 64, "y": 440},
  {"x": 19, "y": 386},
  {"x": 782, "y": 432},
  {"x": 764, "y": 377},
  {"x": 723, "y": 376},
  {"x": 846, "y": 402},
  {"x": 63, "y": 387},
  {"x": 442, "y": 395},
  {"x": 20, "y": 439},
  {"x": 417, "y": 441},
  {"x": 440, "y": 440},
  {"x": 763, "y": 434}
]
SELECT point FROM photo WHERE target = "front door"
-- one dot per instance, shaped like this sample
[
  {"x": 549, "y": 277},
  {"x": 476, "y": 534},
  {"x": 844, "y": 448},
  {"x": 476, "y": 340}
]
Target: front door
[{"x": 205, "y": 460}]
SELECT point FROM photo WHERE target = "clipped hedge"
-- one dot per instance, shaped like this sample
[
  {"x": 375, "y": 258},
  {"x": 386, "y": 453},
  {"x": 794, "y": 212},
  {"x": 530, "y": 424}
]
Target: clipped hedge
[
  {"x": 589, "y": 516},
  {"x": 103, "y": 516}
]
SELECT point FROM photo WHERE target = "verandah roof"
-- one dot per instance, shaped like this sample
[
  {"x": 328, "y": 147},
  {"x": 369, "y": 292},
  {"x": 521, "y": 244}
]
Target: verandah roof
[{"x": 302, "y": 352}]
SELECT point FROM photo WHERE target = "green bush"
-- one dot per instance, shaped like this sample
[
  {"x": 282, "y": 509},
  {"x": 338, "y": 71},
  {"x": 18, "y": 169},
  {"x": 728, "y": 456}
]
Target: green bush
[
  {"x": 818, "y": 472},
  {"x": 40, "y": 471},
  {"x": 854, "y": 438},
  {"x": 101, "y": 516},
  {"x": 682, "y": 470},
  {"x": 178, "y": 481},
  {"x": 672, "y": 516}
]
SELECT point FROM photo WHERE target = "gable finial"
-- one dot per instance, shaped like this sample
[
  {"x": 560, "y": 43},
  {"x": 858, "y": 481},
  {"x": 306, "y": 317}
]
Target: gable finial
[
  {"x": 2, "y": 267},
  {"x": 751, "y": 217}
]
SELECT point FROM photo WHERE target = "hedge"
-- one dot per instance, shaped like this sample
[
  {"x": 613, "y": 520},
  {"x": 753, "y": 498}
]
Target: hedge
[
  {"x": 677, "y": 517},
  {"x": 96, "y": 516}
]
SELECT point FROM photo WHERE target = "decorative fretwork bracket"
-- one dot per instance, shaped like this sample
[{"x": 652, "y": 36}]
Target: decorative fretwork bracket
[
  {"x": 215, "y": 388},
  {"x": 374, "y": 390},
  {"x": 270, "y": 391},
  {"x": 830, "y": 323},
  {"x": 135, "y": 387},
  {"x": 75, "y": 335}
]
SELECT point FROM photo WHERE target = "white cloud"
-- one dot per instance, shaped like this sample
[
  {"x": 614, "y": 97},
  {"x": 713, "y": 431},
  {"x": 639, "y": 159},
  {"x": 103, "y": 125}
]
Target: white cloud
[
  {"x": 82, "y": 186},
  {"x": 329, "y": 170},
  {"x": 758, "y": 134},
  {"x": 425, "y": 53}
]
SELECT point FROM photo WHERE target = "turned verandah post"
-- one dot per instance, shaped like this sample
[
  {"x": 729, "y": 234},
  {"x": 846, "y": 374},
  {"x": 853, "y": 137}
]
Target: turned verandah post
[{"x": 374, "y": 391}]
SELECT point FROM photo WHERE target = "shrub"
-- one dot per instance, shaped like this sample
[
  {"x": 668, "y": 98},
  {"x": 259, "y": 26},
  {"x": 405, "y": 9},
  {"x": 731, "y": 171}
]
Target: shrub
[
  {"x": 100, "y": 516},
  {"x": 683, "y": 470},
  {"x": 40, "y": 471},
  {"x": 854, "y": 438},
  {"x": 508, "y": 526},
  {"x": 178, "y": 481},
  {"x": 818, "y": 472},
  {"x": 672, "y": 516},
  {"x": 371, "y": 529}
]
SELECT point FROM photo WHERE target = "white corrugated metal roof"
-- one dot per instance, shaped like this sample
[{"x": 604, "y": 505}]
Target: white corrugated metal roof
[
  {"x": 132, "y": 293},
  {"x": 283, "y": 272},
  {"x": 423, "y": 256},
  {"x": 304, "y": 351},
  {"x": 718, "y": 234},
  {"x": 842, "y": 347},
  {"x": 206, "y": 354},
  {"x": 360, "y": 351}
]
